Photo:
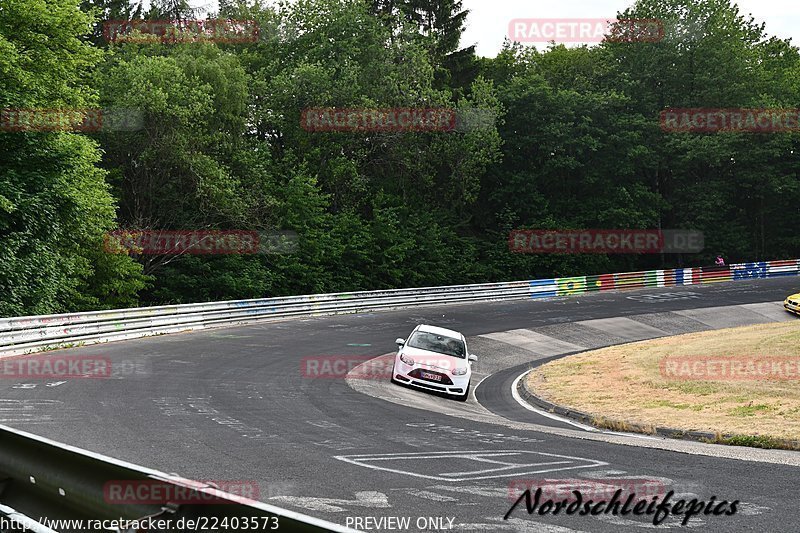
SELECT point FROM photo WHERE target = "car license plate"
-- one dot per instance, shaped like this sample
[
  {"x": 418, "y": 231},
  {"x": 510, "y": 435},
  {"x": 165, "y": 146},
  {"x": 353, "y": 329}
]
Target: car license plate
[{"x": 434, "y": 377}]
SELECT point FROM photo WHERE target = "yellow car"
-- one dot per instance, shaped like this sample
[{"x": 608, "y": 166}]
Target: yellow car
[{"x": 792, "y": 303}]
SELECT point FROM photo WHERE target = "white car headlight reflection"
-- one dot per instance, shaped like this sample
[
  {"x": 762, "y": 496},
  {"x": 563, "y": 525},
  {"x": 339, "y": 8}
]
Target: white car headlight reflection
[
  {"x": 406, "y": 359},
  {"x": 459, "y": 371}
]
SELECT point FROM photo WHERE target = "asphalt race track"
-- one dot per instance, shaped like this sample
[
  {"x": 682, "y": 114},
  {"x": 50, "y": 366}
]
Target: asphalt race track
[{"x": 234, "y": 404}]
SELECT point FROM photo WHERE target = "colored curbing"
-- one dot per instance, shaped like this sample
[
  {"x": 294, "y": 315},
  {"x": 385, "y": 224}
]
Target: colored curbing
[{"x": 548, "y": 288}]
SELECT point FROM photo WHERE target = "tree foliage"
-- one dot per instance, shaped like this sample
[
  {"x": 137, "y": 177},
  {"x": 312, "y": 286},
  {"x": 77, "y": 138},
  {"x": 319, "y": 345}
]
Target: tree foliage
[
  {"x": 55, "y": 204},
  {"x": 569, "y": 138}
]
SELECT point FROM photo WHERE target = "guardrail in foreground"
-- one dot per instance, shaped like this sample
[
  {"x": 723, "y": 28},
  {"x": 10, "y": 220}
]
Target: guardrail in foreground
[
  {"x": 23, "y": 335},
  {"x": 41, "y": 478},
  {"x": 55, "y": 483}
]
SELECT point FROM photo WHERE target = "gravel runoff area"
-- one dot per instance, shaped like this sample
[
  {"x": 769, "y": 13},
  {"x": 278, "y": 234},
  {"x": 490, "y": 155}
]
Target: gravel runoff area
[{"x": 741, "y": 384}]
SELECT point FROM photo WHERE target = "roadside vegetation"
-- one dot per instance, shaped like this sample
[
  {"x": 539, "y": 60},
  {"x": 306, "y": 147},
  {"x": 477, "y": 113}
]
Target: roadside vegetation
[
  {"x": 575, "y": 143},
  {"x": 669, "y": 383}
]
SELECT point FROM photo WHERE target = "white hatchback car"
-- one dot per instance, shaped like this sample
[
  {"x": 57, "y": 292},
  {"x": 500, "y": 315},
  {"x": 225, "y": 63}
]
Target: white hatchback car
[{"x": 435, "y": 359}]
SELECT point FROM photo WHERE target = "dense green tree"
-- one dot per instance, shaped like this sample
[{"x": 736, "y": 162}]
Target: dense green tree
[
  {"x": 175, "y": 10},
  {"x": 442, "y": 24},
  {"x": 566, "y": 137},
  {"x": 734, "y": 187},
  {"x": 54, "y": 202},
  {"x": 107, "y": 12}
]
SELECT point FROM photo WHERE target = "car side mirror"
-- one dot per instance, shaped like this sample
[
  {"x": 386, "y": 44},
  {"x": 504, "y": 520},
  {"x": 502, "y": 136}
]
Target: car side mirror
[
  {"x": 400, "y": 341},
  {"x": 473, "y": 357}
]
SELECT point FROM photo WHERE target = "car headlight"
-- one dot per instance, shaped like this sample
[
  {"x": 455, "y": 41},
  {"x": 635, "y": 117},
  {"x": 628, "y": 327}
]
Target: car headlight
[
  {"x": 459, "y": 371},
  {"x": 406, "y": 359}
]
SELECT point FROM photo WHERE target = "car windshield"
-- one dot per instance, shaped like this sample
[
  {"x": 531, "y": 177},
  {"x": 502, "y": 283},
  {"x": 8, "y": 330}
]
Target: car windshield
[{"x": 432, "y": 342}]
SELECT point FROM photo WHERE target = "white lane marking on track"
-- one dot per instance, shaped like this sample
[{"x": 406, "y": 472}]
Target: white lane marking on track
[
  {"x": 473, "y": 393},
  {"x": 545, "y": 414},
  {"x": 428, "y": 495},
  {"x": 339, "y": 444},
  {"x": 664, "y": 297},
  {"x": 472, "y": 434},
  {"x": 324, "y": 424},
  {"x": 55, "y": 383},
  {"x": 24, "y": 386},
  {"x": 438, "y": 458},
  {"x": 499, "y": 469},
  {"x": 751, "y": 509},
  {"x": 202, "y": 406},
  {"x": 331, "y": 505},
  {"x": 684, "y": 490},
  {"x": 480, "y": 527},
  {"x": 414, "y": 442},
  {"x": 483, "y": 491},
  {"x": 31, "y": 411}
]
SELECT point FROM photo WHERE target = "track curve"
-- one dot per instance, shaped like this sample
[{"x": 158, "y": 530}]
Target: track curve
[{"x": 232, "y": 404}]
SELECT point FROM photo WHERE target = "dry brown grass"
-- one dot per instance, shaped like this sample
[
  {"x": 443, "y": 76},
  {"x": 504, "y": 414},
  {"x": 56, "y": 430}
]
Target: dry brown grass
[{"x": 625, "y": 383}]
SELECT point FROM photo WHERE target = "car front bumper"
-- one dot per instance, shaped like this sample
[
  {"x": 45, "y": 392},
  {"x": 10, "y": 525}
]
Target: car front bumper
[
  {"x": 792, "y": 308},
  {"x": 411, "y": 375}
]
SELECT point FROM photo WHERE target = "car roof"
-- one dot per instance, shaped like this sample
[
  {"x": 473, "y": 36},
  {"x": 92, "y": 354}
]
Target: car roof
[{"x": 439, "y": 331}]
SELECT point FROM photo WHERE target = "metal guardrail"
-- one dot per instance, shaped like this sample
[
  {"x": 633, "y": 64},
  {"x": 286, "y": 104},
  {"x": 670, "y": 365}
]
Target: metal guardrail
[
  {"x": 42, "y": 478},
  {"x": 30, "y": 334},
  {"x": 46, "y": 484},
  {"x": 21, "y": 335}
]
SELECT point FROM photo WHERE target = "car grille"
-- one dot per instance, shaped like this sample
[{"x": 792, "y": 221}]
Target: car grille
[
  {"x": 426, "y": 385},
  {"x": 417, "y": 374},
  {"x": 792, "y": 302}
]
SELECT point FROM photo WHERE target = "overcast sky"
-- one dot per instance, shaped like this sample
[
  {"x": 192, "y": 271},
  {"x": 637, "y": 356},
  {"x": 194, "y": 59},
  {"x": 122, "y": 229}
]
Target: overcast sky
[
  {"x": 487, "y": 24},
  {"x": 488, "y": 21}
]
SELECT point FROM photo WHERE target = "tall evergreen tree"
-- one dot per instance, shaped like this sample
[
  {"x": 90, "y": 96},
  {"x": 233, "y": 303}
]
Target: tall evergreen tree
[
  {"x": 442, "y": 23},
  {"x": 175, "y": 10},
  {"x": 105, "y": 11}
]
